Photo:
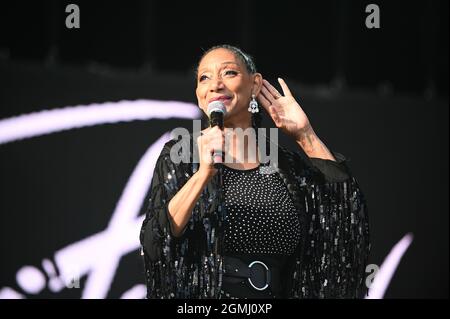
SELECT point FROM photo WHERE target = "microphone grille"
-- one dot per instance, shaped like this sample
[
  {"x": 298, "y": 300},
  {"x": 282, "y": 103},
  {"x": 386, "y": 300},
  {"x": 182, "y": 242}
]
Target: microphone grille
[{"x": 216, "y": 106}]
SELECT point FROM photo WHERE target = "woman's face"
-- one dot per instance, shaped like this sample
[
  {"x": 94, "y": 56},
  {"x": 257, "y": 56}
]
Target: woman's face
[{"x": 222, "y": 76}]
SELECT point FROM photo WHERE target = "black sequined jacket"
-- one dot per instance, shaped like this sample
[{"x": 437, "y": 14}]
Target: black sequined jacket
[{"x": 329, "y": 261}]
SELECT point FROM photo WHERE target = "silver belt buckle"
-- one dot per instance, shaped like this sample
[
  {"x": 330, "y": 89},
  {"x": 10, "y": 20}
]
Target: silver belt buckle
[{"x": 267, "y": 275}]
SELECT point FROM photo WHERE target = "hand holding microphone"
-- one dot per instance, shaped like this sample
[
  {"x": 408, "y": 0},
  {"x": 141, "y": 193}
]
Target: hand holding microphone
[{"x": 212, "y": 141}]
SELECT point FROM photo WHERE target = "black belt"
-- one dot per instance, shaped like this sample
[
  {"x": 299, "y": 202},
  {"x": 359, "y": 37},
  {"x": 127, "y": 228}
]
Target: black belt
[{"x": 252, "y": 277}]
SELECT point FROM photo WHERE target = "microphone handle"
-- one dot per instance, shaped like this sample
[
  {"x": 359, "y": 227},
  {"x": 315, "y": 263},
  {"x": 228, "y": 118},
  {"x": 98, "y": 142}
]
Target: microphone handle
[{"x": 216, "y": 119}]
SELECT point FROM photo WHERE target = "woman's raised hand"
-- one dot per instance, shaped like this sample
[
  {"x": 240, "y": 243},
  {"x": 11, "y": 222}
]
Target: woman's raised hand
[{"x": 284, "y": 110}]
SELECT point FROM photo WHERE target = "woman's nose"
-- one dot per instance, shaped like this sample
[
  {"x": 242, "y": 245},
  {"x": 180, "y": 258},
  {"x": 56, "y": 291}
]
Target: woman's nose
[{"x": 216, "y": 84}]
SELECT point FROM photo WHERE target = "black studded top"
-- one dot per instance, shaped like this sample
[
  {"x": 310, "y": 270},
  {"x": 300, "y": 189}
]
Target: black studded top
[{"x": 262, "y": 218}]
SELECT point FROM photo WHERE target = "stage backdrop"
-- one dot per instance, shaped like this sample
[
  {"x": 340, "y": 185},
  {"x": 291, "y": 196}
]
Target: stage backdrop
[{"x": 77, "y": 149}]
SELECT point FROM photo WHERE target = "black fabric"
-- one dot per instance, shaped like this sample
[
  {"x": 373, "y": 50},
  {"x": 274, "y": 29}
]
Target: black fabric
[
  {"x": 334, "y": 171},
  {"x": 262, "y": 217},
  {"x": 329, "y": 261}
]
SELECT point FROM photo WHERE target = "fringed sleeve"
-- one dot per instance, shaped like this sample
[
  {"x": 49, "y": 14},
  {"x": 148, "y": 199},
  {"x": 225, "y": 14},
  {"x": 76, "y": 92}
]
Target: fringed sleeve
[
  {"x": 161, "y": 250},
  {"x": 189, "y": 266},
  {"x": 335, "y": 253}
]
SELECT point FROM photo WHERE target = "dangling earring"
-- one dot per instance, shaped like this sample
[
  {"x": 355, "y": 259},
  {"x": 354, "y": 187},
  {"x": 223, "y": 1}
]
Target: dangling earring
[{"x": 253, "y": 106}]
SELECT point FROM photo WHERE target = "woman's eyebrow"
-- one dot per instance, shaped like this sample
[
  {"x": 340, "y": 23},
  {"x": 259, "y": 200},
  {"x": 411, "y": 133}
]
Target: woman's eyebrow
[
  {"x": 223, "y": 63},
  {"x": 230, "y": 62}
]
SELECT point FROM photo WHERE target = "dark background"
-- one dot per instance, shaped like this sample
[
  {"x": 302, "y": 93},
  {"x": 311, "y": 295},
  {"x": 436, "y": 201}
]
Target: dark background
[{"x": 379, "y": 96}]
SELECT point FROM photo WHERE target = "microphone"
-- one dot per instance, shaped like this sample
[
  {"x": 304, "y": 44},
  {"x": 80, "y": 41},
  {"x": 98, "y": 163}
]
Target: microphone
[{"x": 216, "y": 112}]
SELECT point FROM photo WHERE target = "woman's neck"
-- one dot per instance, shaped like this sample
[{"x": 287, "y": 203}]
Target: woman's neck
[{"x": 240, "y": 145}]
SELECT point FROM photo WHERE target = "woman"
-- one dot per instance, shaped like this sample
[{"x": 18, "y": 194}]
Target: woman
[{"x": 240, "y": 232}]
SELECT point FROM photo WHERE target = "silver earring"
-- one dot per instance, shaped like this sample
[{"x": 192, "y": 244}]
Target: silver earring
[{"x": 253, "y": 106}]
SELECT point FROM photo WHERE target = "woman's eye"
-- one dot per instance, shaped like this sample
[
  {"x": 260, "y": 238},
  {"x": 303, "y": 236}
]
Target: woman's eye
[
  {"x": 230, "y": 72},
  {"x": 202, "y": 78}
]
